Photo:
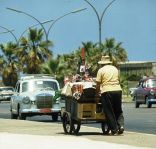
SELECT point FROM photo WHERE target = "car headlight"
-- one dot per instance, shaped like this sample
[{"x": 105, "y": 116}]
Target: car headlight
[
  {"x": 26, "y": 100},
  {"x": 152, "y": 92}
]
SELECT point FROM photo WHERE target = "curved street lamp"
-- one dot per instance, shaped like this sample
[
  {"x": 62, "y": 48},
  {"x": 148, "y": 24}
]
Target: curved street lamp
[
  {"x": 10, "y": 31},
  {"x": 46, "y": 33},
  {"x": 57, "y": 19},
  {"x": 7, "y": 31},
  {"x": 19, "y": 11},
  {"x": 100, "y": 18},
  {"x": 32, "y": 27}
]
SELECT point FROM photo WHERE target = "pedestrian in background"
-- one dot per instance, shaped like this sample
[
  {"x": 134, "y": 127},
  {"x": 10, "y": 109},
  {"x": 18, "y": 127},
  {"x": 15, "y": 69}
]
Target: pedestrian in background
[{"x": 108, "y": 85}]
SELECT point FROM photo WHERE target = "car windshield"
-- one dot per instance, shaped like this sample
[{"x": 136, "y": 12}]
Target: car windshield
[
  {"x": 6, "y": 89},
  {"x": 151, "y": 83},
  {"x": 39, "y": 84}
]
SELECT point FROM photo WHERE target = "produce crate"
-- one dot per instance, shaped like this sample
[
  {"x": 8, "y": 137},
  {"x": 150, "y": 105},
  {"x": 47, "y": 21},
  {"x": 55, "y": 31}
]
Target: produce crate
[{"x": 86, "y": 111}]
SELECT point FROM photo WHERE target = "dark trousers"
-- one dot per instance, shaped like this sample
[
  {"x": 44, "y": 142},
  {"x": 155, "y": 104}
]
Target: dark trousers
[{"x": 112, "y": 107}]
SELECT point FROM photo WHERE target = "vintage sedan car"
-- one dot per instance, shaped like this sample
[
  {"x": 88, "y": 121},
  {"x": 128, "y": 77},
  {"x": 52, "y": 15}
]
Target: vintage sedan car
[
  {"x": 36, "y": 95},
  {"x": 6, "y": 92},
  {"x": 145, "y": 92}
]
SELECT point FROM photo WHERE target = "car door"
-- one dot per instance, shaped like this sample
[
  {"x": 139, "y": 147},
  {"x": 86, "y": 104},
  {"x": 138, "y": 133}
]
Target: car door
[
  {"x": 14, "y": 99},
  {"x": 140, "y": 92},
  {"x": 143, "y": 91}
]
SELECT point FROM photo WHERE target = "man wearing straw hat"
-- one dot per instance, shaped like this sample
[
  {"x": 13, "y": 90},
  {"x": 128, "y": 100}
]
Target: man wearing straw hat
[{"x": 111, "y": 95}]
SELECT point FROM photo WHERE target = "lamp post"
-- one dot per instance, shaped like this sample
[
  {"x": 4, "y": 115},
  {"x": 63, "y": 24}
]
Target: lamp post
[
  {"x": 19, "y": 11},
  {"x": 100, "y": 18},
  {"x": 33, "y": 26},
  {"x": 7, "y": 31},
  {"x": 10, "y": 31},
  {"x": 46, "y": 32},
  {"x": 57, "y": 19}
]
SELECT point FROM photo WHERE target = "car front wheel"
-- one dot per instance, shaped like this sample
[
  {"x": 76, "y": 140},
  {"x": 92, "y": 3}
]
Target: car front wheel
[
  {"x": 13, "y": 116},
  {"x": 148, "y": 103},
  {"x": 22, "y": 116}
]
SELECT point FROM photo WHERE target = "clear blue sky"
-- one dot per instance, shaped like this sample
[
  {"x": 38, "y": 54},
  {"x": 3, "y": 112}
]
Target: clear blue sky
[{"x": 132, "y": 22}]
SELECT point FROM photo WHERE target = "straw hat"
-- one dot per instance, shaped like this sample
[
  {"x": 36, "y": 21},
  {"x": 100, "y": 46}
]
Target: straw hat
[{"x": 105, "y": 60}]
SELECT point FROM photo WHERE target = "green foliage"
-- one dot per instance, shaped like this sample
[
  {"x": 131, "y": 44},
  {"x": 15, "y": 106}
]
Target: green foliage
[
  {"x": 124, "y": 84},
  {"x": 35, "y": 50},
  {"x": 134, "y": 77},
  {"x": 32, "y": 55},
  {"x": 9, "y": 64}
]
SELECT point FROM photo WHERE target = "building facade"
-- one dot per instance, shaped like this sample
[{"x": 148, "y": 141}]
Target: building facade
[{"x": 141, "y": 68}]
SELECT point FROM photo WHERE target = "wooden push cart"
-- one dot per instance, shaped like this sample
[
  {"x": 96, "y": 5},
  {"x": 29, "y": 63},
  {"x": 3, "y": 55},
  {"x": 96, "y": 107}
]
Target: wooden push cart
[{"x": 81, "y": 108}]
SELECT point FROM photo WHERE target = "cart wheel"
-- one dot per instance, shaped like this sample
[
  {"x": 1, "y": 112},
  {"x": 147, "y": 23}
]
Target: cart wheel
[
  {"x": 67, "y": 123},
  {"x": 105, "y": 128},
  {"x": 76, "y": 126}
]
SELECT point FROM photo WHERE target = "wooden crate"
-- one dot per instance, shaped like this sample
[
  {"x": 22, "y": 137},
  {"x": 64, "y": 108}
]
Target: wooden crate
[{"x": 86, "y": 110}]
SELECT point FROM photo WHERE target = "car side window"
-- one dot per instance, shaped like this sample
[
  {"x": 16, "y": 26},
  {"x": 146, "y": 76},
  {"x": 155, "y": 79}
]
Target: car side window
[
  {"x": 143, "y": 84},
  {"x": 17, "y": 87},
  {"x": 24, "y": 86}
]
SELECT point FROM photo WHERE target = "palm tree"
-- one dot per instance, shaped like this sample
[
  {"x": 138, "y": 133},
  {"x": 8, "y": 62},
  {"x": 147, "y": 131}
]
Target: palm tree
[
  {"x": 9, "y": 64},
  {"x": 92, "y": 55},
  {"x": 114, "y": 50},
  {"x": 33, "y": 51},
  {"x": 63, "y": 65}
]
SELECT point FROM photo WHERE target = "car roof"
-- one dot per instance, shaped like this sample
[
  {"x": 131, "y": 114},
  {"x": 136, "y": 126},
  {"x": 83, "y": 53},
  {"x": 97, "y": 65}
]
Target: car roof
[
  {"x": 37, "y": 76},
  {"x": 147, "y": 78},
  {"x": 6, "y": 87}
]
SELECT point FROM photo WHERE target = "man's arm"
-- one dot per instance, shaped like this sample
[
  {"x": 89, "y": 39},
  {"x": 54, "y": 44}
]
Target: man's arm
[{"x": 97, "y": 88}]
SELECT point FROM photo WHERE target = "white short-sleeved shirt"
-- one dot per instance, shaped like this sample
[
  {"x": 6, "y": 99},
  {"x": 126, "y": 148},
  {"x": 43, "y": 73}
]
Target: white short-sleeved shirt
[{"x": 108, "y": 76}]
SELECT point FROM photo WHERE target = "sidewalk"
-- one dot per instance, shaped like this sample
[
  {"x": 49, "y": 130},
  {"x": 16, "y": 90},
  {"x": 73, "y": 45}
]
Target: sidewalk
[
  {"x": 18, "y": 141},
  {"x": 38, "y": 135}
]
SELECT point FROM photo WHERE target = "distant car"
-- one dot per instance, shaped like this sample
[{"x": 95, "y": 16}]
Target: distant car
[
  {"x": 36, "y": 95},
  {"x": 145, "y": 92},
  {"x": 6, "y": 92}
]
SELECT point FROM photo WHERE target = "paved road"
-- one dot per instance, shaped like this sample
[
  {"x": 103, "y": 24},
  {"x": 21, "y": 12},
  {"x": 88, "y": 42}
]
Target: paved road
[
  {"x": 141, "y": 119},
  {"x": 136, "y": 120},
  {"x": 43, "y": 126}
]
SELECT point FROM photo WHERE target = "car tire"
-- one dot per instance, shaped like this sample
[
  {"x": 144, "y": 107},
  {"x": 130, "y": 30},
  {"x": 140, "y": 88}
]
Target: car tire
[
  {"x": 22, "y": 116},
  {"x": 55, "y": 117},
  {"x": 136, "y": 103},
  {"x": 148, "y": 103},
  {"x": 14, "y": 116}
]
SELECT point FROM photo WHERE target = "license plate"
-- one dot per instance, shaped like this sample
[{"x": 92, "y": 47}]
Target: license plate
[{"x": 45, "y": 110}]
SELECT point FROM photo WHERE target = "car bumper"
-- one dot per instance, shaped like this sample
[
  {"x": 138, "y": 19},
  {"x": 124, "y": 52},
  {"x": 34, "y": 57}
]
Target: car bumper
[
  {"x": 41, "y": 111},
  {"x": 5, "y": 98},
  {"x": 152, "y": 100}
]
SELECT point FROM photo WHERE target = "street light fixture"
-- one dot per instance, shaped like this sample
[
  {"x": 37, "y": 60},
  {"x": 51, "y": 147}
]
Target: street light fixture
[
  {"x": 48, "y": 21},
  {"x": 7, "y": 31},
  {"x": 10, "y": 31},
  {"x": 100, "y": 18},
  {"x": 46, "y": 33},
  {"x": 19, "y": 11},
  {"x": 75, "y": 11}
]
